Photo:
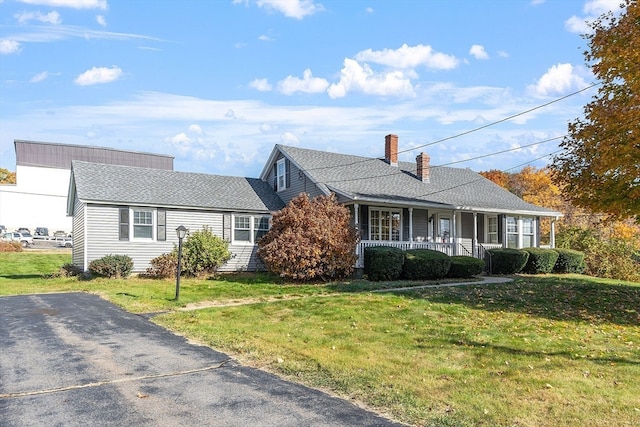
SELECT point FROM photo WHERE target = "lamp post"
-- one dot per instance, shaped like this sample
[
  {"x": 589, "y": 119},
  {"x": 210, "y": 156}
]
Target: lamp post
[{"x": 181, "y": 231}]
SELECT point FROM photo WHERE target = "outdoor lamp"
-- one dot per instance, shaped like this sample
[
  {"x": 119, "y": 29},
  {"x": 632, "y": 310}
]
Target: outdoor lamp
[{"x": 181, "y": 231}]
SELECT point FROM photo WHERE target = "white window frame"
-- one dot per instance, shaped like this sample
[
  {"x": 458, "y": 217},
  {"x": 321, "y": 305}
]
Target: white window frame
[
  {"x": 513, "y": 229},
  {"x": 526, "y": 232},
  {"x": 442, "y": 237},
  {"x": 492, "y": 233},
  {"x": 392, "y": 231},
  {"x": 281, "y": 175},
  {"x": 253, "y": 228},
  {"x": 133, "y": 224}
]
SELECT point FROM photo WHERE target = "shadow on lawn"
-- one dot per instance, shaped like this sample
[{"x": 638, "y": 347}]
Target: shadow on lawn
[
  {"x": 542, "y": 354},
  {"x": 557, "y": 299}
]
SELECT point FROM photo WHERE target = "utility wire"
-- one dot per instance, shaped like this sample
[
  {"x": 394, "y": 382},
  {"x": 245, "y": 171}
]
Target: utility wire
[{"x": 369, "y": 159}]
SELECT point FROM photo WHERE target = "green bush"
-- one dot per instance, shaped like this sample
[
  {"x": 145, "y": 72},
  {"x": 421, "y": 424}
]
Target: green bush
[
  {"x": 603, "y": 257},
  {"x": 465, "y": 266},
  {"x": 112, "y": 266},
  {"x": 425, "y": 264},
  {"x": 203, "y": 253},
  {"x": 541, "y": 261},
  {"x": 505, "y": 260},
  {"x": 383, "y": 262},
  {"x": 163, "y": 266},
  {"x": 569, "y": 261}
]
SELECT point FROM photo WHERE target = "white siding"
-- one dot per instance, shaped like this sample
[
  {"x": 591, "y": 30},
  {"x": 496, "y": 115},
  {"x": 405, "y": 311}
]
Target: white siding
[
  {"x": 102, "y": 238},
  {"x": 77, "y": 253}
]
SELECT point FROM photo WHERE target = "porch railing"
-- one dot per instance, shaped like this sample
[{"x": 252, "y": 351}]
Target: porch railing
[{"x": 447, "y": 248}]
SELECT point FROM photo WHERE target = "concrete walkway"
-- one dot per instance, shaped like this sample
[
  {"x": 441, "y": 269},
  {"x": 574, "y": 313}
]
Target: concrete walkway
[{"x": 485, "y": 281}]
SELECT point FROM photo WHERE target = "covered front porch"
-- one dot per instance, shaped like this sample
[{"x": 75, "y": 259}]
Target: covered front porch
[{"x": 451, "y": 231}]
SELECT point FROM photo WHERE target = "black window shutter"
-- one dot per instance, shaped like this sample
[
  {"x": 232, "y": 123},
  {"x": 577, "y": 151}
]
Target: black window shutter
[
  {"x": 162, "y": 225},
  {"x": 124, "y": 224},
  {"x": 287, "y": 171},
  {"x": 500, "y": 228},
  {"x": 275, "y": 176}
]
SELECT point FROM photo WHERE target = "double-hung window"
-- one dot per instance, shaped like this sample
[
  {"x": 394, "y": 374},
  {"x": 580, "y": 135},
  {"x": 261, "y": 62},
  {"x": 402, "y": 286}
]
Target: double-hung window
[
  {"x": 142, "y": 224},
  {"x": 512, "y": 232},
  {"x": 492, "y": 229},
  {"x": 527, "y": 232},
  {"x": 249, "y": 229},
  {"x": 281, "y": 175}
]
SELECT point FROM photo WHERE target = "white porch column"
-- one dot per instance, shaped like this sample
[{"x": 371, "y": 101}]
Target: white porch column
[
  {"x": 552, "y": 237},
  {"x": 454, "y": 232},
  {"x": 474, "y": 242},
  {"x": 411, "y": 224},
  {"x": 356, "y": 216},
  {"x": 504, "y": 231},
  {"x": 519, "y": 225}
]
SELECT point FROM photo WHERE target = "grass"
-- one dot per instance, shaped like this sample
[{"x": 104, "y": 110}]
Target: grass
[{"x": 540, "y": 351}]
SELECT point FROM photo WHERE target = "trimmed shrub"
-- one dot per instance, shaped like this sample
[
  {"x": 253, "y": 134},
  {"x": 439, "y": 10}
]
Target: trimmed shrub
[
  {"x": 425, "y": 264},
  {"x": 383, "y": 262},
  {"x": 203, "y": 253},
  {"x": 505, "y": 260},
  {"x": 465, "y": 266},
  {"x": 163, "y": 266},
  {"x": 112, "y": 266},
  {"x": 569, "y": 261},
  {"x": 541, "y": 261},
  {"x": 310, "y": 239}
]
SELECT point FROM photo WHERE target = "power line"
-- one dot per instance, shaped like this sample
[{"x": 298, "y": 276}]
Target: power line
[{"x": 369, "y": 159}]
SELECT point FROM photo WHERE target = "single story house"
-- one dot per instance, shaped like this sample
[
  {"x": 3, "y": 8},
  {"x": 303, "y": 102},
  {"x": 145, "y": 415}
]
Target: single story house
[
  {"x": 411, "y": 205},
  {"x": 134, "y": 211}
]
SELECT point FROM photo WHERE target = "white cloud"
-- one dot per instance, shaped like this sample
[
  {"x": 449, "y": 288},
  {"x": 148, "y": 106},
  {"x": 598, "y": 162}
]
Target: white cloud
[
  {"x": 289, "y": 138},
  {"x": 592, "y": 10},
  {"x": 478, "y": 52},
  {"x": 409, "y": 57},
  {"x": 195, "y": 129},
  {"x": 7, "y": 47},
  {"x": 265, "y": 38},
  {"x": 261, "y": 85},
  {"x": 297, "y": 9},
  {"x": 101, "y": 20},
  {"x": 558, "y": 80},
  {"x": 39, "y": 77},
  {"x": 73, "y": 4},
  {"x": 98, "y": 75},
  {"x": 503, "y": 54},
  {"x": 308, "y": 84},
  {"x": 49, "y": 18},
  {"x": 358, "y": 78}
]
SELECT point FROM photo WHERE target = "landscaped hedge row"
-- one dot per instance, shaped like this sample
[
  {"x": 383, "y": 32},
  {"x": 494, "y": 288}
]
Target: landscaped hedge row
[
  {"x": 390, "y": 263},
  {"x": 533, "y": 261}
]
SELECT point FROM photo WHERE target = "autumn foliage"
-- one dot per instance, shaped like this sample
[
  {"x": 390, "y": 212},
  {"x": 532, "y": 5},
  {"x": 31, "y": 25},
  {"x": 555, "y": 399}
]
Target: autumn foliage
[
  {"x": 599, "y": 166},
  {"x": 310, "y": 239}
]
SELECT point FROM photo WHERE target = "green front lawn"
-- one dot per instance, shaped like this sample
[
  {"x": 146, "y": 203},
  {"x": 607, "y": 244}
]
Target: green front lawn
[{"x": 541, "y": 351}]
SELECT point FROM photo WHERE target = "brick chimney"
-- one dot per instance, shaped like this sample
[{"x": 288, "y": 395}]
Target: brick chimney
[
  {"x": 391, "y": 149},
  {"x": 422, "y": 167}
]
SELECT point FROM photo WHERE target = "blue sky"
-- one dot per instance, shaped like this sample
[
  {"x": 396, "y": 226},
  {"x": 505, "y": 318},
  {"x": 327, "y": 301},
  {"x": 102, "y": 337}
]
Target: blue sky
[{"x": 218, "y": 83}]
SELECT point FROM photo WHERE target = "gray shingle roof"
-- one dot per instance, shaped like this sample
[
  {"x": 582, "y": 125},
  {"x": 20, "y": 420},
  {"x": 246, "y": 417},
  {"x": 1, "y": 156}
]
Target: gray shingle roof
[
  {"x": 154, "y": 187},
  {"x": 374, "y": 180}
]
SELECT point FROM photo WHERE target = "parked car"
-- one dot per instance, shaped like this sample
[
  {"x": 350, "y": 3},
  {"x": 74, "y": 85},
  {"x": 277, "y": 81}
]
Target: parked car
[
  {"x": 59, "y": 234},
  {"x": 23, "y": 230},
  {"x": 41, "y": 231},
  {"x": 66, "y": 242},
  {"x": 24, "y": 238},
  {"x": 3, "y": 229}
]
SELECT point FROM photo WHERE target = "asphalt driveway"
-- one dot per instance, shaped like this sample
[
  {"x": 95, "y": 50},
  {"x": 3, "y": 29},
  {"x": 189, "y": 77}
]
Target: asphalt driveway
[{"x": 76, "y": 360}]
